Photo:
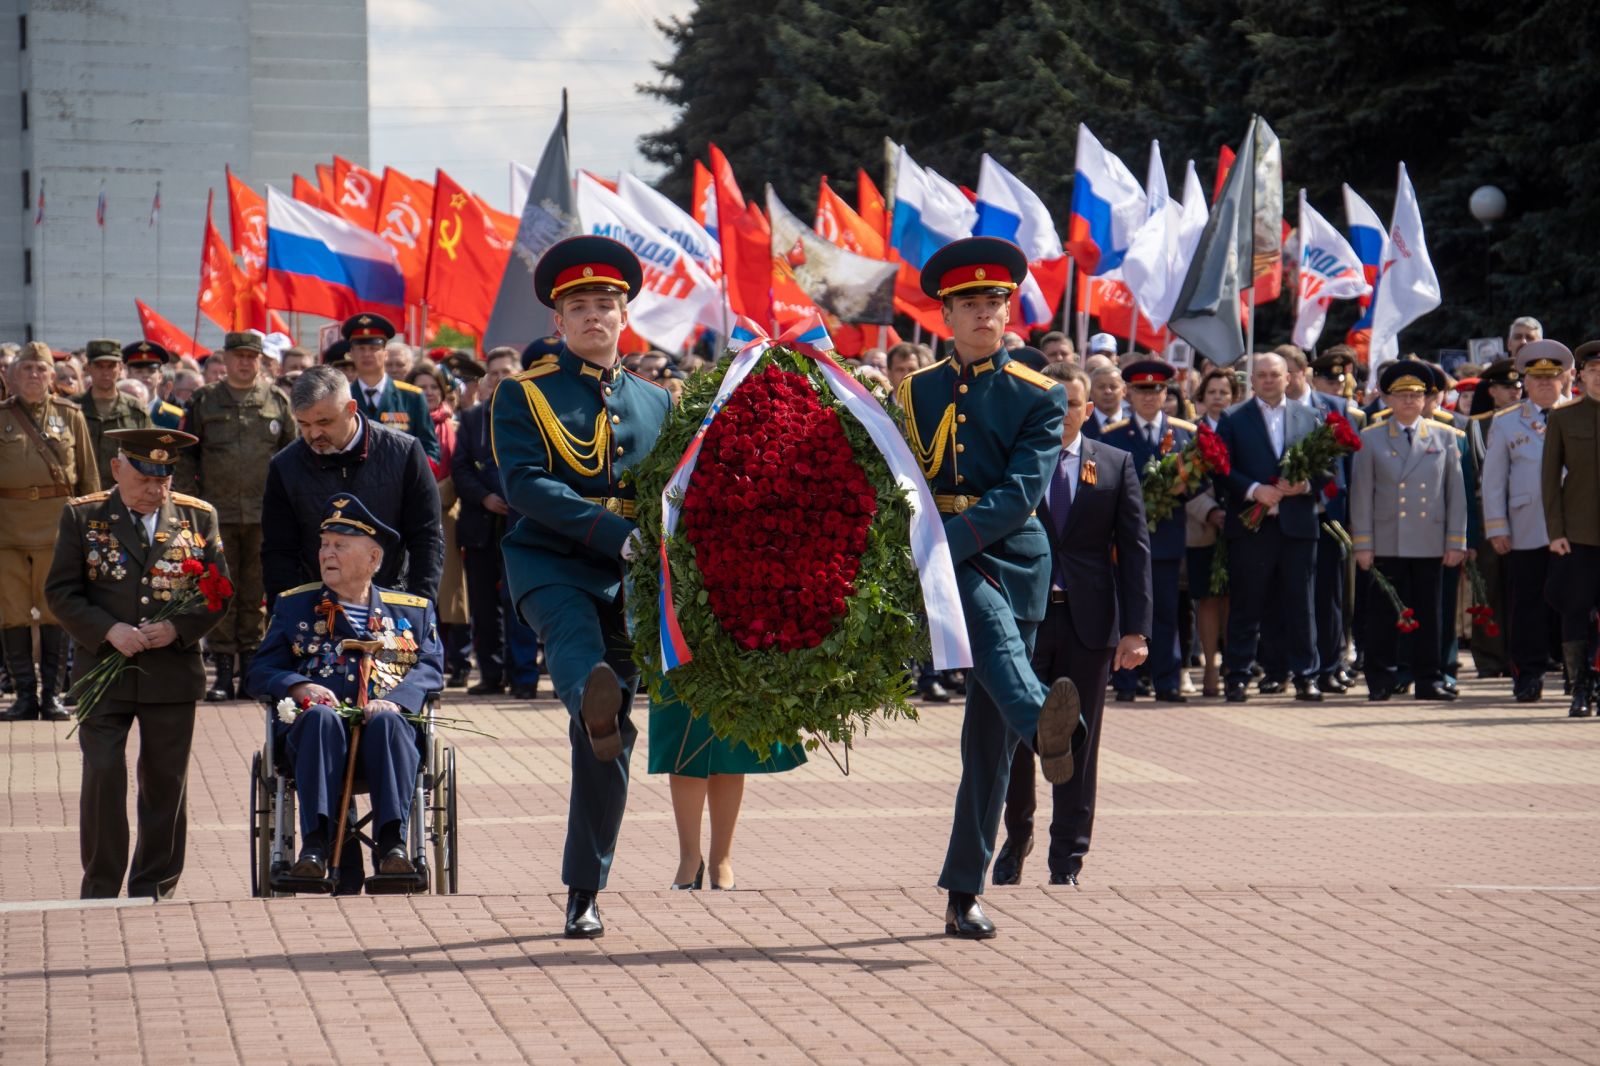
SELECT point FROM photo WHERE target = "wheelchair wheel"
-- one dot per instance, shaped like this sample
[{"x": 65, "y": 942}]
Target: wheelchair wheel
[
  {"x": 443, "y": 810},
  {"x": 260, "y": 807},
  {"x": 453, "y": 822}
]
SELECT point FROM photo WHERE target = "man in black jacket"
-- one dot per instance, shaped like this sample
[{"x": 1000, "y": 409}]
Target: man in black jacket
[
  {"x": 507, "y": 649},
  {"x": 341, "y": 451},
  {"x": 1097, "y": 620}
]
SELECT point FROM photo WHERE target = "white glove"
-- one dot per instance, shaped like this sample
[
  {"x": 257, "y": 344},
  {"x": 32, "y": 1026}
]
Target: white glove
[{"x": 632, "y": 546}]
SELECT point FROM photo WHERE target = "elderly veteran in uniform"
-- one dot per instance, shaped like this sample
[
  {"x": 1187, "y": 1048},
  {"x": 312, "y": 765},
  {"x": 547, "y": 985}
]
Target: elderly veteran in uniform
[
  {"x": 388, "y": 401},
  {"x": 1151, "y": 434},
  {"x": 104, "y": 407},
  {"x": 119, "y": 561},
  {"x": 1408, "y": 517},
  {"x": 145, "y": 360},
  {"x": 1513, "y": 514},
  {"x": 567, "y": 434},
  {"x": 45, "y": 458},
  {"x": 303, "y": 658},
  {"x": 1570, "y": 487},
  {"x": 241, "y": 422},
  {"x": 986, "y": 431}
]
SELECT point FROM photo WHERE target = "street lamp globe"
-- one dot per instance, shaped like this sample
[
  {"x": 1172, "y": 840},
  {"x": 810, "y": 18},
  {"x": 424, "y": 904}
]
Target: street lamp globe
[{"x": 1487, "y": 204}]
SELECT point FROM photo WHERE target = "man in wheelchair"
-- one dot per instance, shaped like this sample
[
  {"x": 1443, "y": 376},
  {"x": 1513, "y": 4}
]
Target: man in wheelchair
[{"x": 310, "y": 654}]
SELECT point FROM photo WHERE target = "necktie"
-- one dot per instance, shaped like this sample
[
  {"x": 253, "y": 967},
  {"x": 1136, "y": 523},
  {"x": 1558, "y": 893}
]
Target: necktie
[
  {"x": 1544, "y": 415},
  {"x": 1060, "y": 495},
  {"x": 372, "y": 397},
  {"x": 1150, "y": 435},
  {"x": 1408, "y": 436},
  {"x": 138, "y": 523}
]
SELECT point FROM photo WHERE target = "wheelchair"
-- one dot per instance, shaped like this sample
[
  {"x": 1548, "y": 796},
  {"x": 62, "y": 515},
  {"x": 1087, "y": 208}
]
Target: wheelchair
[{"x": 432, "y": 828}]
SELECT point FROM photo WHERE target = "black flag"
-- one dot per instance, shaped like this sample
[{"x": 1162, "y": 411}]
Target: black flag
[{"x": 1207, "y": 312}]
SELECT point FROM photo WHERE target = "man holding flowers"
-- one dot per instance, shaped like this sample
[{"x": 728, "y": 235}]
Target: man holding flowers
[
  {"x": 986, "y": 431},
  {"x": 567, "y": 434},
  {"x": 138, "y": 578}
]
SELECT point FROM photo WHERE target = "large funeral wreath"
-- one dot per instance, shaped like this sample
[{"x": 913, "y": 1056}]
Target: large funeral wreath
[{"x": 792, "y": 575}]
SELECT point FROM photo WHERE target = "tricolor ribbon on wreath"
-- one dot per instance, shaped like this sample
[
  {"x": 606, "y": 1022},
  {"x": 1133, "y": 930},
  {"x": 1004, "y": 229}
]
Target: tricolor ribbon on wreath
[{"x": 941, "y": 599}]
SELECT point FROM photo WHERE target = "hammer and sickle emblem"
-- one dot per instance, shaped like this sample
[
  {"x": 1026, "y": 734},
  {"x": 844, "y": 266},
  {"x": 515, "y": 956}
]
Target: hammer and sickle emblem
[
  {"x": 450, "y": 237},
  {"x": 357, "y": 190},
  {"x": 404, "y": 224}
]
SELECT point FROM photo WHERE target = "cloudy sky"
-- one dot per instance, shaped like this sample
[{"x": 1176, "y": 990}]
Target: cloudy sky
[{"x": 469, "y": 84}]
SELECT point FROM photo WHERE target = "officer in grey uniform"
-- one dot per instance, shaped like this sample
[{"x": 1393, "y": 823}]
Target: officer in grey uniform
[
  {"x": 1513, "y": 509},
  {"x": 1408, "y": 518}
]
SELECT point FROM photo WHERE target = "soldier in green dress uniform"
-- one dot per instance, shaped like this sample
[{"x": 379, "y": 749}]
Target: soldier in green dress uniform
[
  {"x": 986, "y": 431},
  {"x": 566, "y": 436},
  {"x": 104, "y": 406}
]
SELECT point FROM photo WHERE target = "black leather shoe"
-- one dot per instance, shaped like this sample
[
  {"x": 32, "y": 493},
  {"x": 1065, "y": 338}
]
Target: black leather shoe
[
  {"x": 1234, "y": 692},
  {"x": 529, "y": 691},
  {"x": 486, "y": 688},
  {"x": 1332, "y": 682},
  {"x": 1448, "y": 683},
  {"x": 583, "y": 915},
  {"x": 1060, "y": 722},
  {"x": 1171, "y": 697},
  {"x": 1146, "y": 687},
  {"x": 458, "y": 677},
  {"x": 312, "y": 863},
  {"x": 1378, "y": 695},
  {"x": 396, "y": 861},
  {"x": 1271, "y": 686},
  {"x": 1063, "y": 879},
  {"x": 1306, "y": 690},
  {"x": 1435, "y": 691},
  {"x": 1126, "y": 695},
  {"x": 931, "y": 691},
  {"x": 964, "y": 918},
  {"x": 24, "y": 709},
  {"x": 1528, "y": 688},
  {"x": 602, "y": 711},
  {"x": 1008, "y": 863}
]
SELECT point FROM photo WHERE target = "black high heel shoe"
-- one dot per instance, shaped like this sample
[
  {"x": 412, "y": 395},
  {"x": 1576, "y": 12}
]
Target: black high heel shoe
[{"x": 699, "y": 879}]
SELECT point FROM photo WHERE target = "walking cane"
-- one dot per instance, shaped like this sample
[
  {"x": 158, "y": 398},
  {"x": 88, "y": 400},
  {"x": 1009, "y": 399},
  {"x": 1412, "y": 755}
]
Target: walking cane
[{"x": 366, "y": 648}]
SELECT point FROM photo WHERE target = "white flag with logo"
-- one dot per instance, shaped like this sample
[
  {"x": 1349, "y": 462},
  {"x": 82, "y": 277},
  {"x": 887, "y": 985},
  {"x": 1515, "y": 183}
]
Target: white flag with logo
[
  {"x": 1409, "y": 287},
  {"x": 676, "y": 293},
  {"x": 1329, "y": 270}
]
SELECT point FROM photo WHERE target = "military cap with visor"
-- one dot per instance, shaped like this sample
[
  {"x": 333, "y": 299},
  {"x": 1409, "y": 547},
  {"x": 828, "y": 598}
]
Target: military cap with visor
[
  {"x": 367, "y": 326},
  {"x": 586, "y": 262},
  {"x": 974, "y": 266},
  {"x": 1406, "y": 375},
  {"x": 152, "y": 451},
  {"x": 349, "y": 516},
  {"x": 145, "y": 353},
  {"x": 1544, "y": 359}
]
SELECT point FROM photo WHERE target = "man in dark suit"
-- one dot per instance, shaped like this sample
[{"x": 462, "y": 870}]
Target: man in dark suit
[
  {"x": 1279, "y": 558},
  {"x": 1093, "y": 513},
  {"x": 507, "y": 649}
]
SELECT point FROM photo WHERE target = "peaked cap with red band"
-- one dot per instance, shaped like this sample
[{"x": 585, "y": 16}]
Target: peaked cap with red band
[
  {"x": 1148, "y": 372},
  {"x": 583, "y": 263},
  {"x": 974, "y": 266},
  {"x": 365, "y": 326}
]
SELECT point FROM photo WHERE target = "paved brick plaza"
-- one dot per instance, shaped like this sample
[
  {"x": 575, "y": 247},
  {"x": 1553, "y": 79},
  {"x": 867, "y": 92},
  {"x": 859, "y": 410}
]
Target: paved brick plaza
[{"x": 1350, "y": 883}]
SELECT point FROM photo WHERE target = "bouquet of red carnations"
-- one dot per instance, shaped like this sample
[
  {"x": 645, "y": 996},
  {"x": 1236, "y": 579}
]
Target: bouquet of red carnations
[
  {"x": 1405, "y": 617},
  {"x": 1172, "y": 477},
  {"x": 1312, "y": 456}
]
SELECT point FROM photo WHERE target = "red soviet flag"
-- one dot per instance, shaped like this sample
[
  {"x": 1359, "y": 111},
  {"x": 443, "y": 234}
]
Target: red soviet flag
[
  {"x": 218, "y": 277},
  {"x": 158, "y": 330},
  {"x": 308, "y": 193},
  {"x": 355, "y": 192},
  {"x": 405, "y": 217},
  {"x": 746, "y": 247},
  {"x": 467, "y": 254},
  {"x": 247, "y": 226}
]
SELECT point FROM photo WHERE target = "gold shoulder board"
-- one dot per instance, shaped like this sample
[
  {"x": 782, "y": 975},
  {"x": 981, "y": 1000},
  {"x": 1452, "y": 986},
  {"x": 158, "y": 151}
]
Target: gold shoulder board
[
  {"x": 1181, "y": 424},
  {"x": 93, "y": 497},
  {"x": 191, "y": 501},
  {"x": 406, "y": 386},
  {"x": 537, "y": 370},
  {"x": 404, "y": 599},
  {"x": 1109, "y": 426},
  {"x": 307, "y": 587},
  {"x": 1028, "y": 374}
]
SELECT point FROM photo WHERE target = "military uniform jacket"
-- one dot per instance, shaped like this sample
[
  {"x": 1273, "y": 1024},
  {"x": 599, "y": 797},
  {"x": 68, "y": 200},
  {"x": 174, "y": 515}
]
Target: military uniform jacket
[
  {"x": 1173, "y": 434},
  {"x": 301, "y": 646},
  {"x": 101, "y": 575},
  {"x": 1572, "y": 448},
  {"x": 989, "y": 435},
  {"x": 1512, "y": 465},
  {"x": 123, "y": 412},
  {"x": 238, "y": 438},
  {"x": 67, "y": 470},
  {"x": 400, "y": 406},
  {"x": 1408, "y": 501},
  {"x": 166, "y": 415},
  {"x": 566, "y": 434}
]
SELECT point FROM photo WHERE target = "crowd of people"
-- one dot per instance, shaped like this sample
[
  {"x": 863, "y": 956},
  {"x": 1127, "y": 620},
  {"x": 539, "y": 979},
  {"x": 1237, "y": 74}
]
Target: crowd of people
[{"x": 1468, "y": 515}]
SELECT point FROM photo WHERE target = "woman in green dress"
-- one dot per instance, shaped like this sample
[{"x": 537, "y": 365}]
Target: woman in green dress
[{"x": 705, "y": 773}]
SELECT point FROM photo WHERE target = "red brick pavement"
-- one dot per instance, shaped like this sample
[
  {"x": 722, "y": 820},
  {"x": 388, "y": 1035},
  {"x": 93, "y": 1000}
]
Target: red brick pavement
[{"x": 1402, "y": 883}]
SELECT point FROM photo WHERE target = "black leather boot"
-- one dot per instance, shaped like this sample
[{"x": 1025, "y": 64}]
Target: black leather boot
[
  {"x": 221, "y": 691},
  {"x": 17, "y": 644},
  {"x": 52, "y": 673},
  {"x": 1575, "y": 654},
  {"x": 964, "y": 918},
  {"x": 583, "y": 915},
  {"x": 244, "y": 672}
]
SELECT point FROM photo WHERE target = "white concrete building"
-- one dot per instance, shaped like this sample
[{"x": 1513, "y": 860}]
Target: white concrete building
[{"x": 129, "y": 93}]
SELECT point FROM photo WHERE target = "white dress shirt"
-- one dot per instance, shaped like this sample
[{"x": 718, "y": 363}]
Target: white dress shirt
[
  {"x": 1145, "y": 429},
  {"x": 1274, "y": 418},
  {"x": 372, "y": 393}
]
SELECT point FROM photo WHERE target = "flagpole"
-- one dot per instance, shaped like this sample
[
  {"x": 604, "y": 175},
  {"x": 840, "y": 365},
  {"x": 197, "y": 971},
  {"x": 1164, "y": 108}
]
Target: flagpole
[
  {"x": 157, "y": 220},
  {"x": 211, "y": 194},
  {"x": 1066, "y": 297},
  {"x": 102, "y": 214},
  {"x": 1250, "y": 332},
  {"x": 39, "y": 229}
]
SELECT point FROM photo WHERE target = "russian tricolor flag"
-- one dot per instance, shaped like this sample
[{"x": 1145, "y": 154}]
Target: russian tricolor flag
[
  {"x": 321, "y": 264},
  {"x": 929, "y": 211},
  {"x": 1108, "y": 207},
  {"x": 1010, "y": 210},
  {"x": 1367, "y": 235}
]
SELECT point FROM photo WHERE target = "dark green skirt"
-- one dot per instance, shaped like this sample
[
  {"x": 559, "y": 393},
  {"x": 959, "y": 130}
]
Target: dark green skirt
[{"x": 681, "y": 743}]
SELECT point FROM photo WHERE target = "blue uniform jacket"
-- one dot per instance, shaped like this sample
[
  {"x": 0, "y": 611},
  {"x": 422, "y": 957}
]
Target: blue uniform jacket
[
  {"x": 1168, "y": 540},
  {"x": 298, "y": 647},
  {"x": 476, "y": 476},
  {"x": 992, "y": 433},
  {"x": 565, "y": 435},
  {"x": 400, "y": 406}
]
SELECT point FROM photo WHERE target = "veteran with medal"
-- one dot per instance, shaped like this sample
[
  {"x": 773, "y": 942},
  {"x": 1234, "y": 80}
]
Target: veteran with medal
[
  {"x": 45, "y": 459},
  {"x": 389, "y": 402},
  {"x": 566, "y": 435},
  {"x": 304, "y": 658},
  {"x": 986, "y": 431},
  {"x": 120, "y": 558}
]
